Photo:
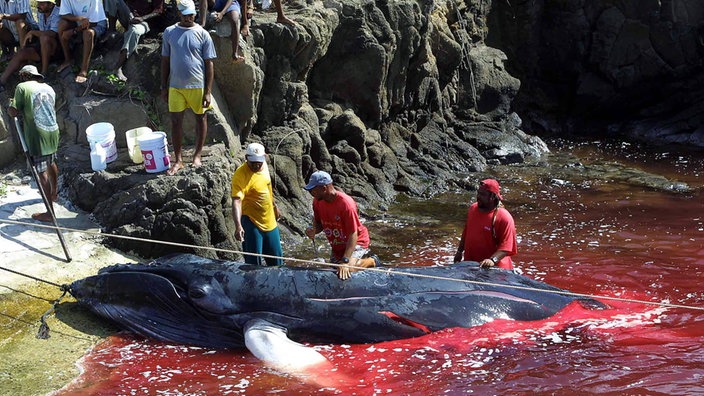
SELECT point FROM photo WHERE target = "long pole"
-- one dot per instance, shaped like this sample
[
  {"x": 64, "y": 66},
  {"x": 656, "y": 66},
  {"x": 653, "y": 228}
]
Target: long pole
[{"x": 45, "y": 197}]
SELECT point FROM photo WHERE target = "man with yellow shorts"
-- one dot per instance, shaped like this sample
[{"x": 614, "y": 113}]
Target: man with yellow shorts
[{"x": 187, "y": 74}]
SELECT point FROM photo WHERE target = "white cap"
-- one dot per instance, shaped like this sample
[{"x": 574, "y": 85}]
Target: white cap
[{"x": 255, "y": 153}]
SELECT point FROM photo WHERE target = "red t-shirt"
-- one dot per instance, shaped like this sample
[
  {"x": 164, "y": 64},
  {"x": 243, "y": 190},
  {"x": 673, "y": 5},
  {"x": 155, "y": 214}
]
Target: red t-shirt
[
  {"x": 479, "y": 243},
  {"x": 339, "y": 219}
]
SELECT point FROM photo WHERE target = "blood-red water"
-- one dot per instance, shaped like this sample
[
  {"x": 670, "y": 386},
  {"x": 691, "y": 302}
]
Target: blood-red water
[{"x": 606, "y": 234}]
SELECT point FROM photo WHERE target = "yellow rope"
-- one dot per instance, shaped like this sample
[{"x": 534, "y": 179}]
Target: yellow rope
[{"x": 388, "y": 271}]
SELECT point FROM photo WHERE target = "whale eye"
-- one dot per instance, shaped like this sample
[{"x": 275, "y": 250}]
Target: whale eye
[{"x": 196, "y": 292}]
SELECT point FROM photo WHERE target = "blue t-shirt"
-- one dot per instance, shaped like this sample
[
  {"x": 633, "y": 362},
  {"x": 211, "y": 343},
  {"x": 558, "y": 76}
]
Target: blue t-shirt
[
  {"x": 188, "y": 49},
  {"x": 50, "y": 23}
]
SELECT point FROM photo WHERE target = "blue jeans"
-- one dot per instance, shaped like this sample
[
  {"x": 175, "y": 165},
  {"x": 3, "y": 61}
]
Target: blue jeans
[{"x": 261, "y": 242}]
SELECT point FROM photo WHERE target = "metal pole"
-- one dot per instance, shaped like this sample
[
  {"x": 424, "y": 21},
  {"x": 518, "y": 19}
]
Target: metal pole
[{"x": 45, "y": 198}]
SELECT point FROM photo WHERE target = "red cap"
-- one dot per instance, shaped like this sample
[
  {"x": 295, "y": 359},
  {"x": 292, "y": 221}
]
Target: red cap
[{"x": 492, "y": 186}]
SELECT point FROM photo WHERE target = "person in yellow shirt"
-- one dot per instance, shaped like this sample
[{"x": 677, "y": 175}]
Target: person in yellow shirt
[{"x": 254, "y": 211}]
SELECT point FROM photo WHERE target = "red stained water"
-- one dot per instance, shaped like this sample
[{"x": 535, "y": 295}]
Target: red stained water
[{"x": 601, "y": 235}]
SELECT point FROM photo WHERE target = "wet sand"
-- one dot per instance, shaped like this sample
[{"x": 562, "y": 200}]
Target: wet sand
[{"x": 29, "y": 365}]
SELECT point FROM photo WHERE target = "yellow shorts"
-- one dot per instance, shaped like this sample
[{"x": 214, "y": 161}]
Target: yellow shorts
[{"x": 181, "y": 99}]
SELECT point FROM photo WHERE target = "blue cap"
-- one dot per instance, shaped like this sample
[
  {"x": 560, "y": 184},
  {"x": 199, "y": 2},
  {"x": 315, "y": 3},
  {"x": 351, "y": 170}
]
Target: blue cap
[{"x": 319, "y": 178}]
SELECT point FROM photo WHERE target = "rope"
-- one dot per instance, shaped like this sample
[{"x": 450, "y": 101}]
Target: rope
[{"x": 387, "y": 271}]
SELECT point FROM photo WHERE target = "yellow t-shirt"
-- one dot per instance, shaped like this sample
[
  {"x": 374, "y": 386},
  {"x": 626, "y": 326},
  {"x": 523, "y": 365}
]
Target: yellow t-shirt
[{"x": 254, "y": 189}]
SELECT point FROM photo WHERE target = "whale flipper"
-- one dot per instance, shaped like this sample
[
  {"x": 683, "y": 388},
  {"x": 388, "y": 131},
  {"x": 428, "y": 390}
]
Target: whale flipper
[{"x": 270, "y": 344}]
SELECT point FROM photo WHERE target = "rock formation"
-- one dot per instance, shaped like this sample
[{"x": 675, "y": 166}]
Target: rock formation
[
  {"x": 633, "y": 67},
  {"x": 387, "y": 96}
]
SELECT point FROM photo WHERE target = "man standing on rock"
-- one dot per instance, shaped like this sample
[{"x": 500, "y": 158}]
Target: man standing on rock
[
  {"x": 35, "y": 100},
  {"x": 254, "y": 210},
  {"x": 335, "y": 213},
  {"x": 187, "y": 74},
  {"x": 489, "y": 235}
]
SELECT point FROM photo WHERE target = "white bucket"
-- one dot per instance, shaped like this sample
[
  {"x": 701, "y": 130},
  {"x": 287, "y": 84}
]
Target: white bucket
[
  {"x": 155, "y": 151},
  {"x": 133, "y": 145},
  {"x": 103, "y": 133}
]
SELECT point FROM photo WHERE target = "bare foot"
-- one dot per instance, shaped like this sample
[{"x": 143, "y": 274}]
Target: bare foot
[
  {"x": 177, "y": 167},
  {"x": 237, "y": 58},
  {"x": 120, "y": 76},
  {"x": 285, "y": 21},
  {"x": 82, "y": 77},
  {"x": 64, "y": 66},
  {"x": 197, "y": 162},
  {"x": 45, "y": 217}
]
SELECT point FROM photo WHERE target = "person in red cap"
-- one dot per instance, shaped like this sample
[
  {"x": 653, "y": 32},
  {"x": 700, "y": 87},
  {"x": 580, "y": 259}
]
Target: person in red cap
[{"x": 489, "y": 235}]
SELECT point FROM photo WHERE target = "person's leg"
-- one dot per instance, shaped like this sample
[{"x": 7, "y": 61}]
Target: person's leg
[
  {"x": 7, "y": 39},
  {"x": 280, "y": 17},
  {"x": 53, "y": 176},
  {"x": 21, "y": 58},
  {"x": 48, "y": 47},
  {"x": 117, "y": 10},
  {"x": 129, "y": 46},
  {"x": 21, "y": 26},
  {"x": 252, "y": 242},
  {"x": 234, "y": 18},
  {"x": 272, "y": 247},
  {"x": 88, "y": 40},
  {"x": 201, "y": 132},
  {"x": 65, "y": 34},
  {"x": 42, "y": 166},
  {"x": 177, "y": 135}
]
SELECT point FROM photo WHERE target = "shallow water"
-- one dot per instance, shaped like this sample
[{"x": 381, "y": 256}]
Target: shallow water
[{"x": 599, "y": 218}]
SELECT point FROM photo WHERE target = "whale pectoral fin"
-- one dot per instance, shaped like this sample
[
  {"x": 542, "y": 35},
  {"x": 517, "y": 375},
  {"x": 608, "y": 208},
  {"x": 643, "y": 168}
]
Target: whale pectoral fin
[{"x": 269, "y": 343}]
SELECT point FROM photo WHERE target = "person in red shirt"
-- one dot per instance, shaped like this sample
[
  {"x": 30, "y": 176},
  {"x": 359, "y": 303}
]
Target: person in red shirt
[
  {"x": 335, "y": 213},
  {"x": 489, "y": 235}
]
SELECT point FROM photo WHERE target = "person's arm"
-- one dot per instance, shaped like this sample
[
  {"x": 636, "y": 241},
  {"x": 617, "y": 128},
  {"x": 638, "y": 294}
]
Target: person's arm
[
  {"x": 165, "y": 71},
  {"x": 345, "y": 272},
  {"x": 209, "y": 76},
  {"x": 460, "y": 248},
  {"x": 14, "y": 17},
  {"x": 157, "y": 9},
  {"x": 237, "y": 217},
  {"x": 221, "y": 14},
  {"x": 314, "y": 229},
  {"x": 493, "y": 259},
  {"x": 82, "y": 23}
]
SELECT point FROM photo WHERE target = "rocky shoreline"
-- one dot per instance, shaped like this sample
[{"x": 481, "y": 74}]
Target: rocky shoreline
[{"x": 389, "y": 97}]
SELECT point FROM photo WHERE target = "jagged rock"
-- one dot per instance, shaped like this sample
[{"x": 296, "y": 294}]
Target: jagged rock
[
  {"x": 386, "y": 96},
  {"x": 629, "y": 67}
]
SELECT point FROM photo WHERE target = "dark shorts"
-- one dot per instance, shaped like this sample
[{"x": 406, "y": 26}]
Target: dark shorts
[{"x": 42, "y": 162}]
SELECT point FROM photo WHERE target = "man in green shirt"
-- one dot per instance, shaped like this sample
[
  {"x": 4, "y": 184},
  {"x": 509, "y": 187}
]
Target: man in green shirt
[{"x": 34, "y": 101}]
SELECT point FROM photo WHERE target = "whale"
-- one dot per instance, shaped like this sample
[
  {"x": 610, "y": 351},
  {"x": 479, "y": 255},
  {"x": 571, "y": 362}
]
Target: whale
[{"x": 188, "y": 299}]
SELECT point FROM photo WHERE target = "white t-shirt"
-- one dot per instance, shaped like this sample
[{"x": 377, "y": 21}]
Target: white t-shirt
[{"x": 92, "y": 9}]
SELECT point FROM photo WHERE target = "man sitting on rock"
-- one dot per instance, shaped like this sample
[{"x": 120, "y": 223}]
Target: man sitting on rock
[
  {"x": 133, "y": 16},
  {"x": 232, "y": 11},
  {"x": 40, "y": 44},
  {"x": 15, "y": 20},
  {"x": 84, "y": 17}
]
